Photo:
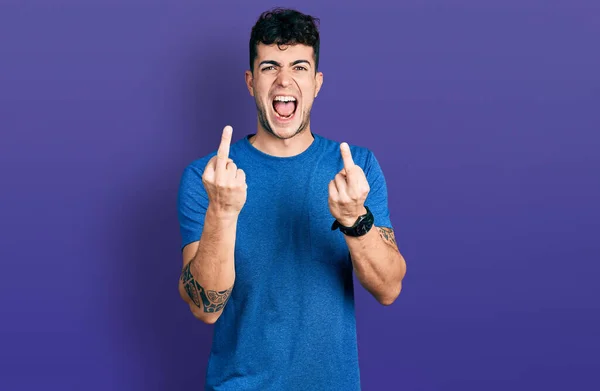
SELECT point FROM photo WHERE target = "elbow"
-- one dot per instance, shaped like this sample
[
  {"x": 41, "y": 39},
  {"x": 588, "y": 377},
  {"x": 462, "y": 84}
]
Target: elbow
[
  {"x": 209, "y": 321},
  {"x": 208, "y": 318},
  {"x": 199, "y": 313},
  {"x": 395, "y": 288},
  {"x": 390, "y": 297}
]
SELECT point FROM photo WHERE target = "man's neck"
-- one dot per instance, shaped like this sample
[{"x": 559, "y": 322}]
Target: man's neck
[{"x": 274, "y": 146}]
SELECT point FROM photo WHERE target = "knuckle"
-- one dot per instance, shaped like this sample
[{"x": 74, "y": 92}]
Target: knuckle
[{"x": 207, "y": 179}]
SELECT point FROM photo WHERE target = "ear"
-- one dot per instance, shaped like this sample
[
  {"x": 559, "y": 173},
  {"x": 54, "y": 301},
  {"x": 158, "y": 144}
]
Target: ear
[
  {"x": 249, "y": 80},
  {"x": 319, "y": 80}
]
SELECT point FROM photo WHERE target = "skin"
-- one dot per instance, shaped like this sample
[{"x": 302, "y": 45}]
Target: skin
[
  {"x": 208, "y": 272},
  {"x": 284, "y": 70},
  {"x": 376, "y": 259}
]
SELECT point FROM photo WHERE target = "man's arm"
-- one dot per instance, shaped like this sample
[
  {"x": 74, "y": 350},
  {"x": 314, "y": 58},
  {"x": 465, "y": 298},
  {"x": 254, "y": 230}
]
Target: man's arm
[
  {"x": 208, "y": 273},
  {"x": 378, "y": 264}
]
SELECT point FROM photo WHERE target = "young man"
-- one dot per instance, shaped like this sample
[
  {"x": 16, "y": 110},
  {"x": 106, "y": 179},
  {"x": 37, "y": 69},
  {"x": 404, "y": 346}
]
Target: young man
[{"x": 274, "y": 226}]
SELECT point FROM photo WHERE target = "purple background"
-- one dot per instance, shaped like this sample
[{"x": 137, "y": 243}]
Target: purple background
[{"x": 484, "y": 116}]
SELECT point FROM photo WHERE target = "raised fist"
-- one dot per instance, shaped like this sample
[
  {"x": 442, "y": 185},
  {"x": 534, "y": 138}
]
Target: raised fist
[
  {"x": 225, "y": 184},
  {"x": 348, "y": 190}
]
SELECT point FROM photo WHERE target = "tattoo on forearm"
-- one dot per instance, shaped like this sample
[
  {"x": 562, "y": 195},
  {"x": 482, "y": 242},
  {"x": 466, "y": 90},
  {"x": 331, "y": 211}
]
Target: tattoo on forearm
[
  {"x": 388, "y": 236},
  {"x": 210, "y": 301}
]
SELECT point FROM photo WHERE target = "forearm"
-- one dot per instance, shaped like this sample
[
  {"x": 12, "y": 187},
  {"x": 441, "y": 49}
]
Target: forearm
[
  {"x": 378, "y": 264},
  {"x": 207, "y": 280}
]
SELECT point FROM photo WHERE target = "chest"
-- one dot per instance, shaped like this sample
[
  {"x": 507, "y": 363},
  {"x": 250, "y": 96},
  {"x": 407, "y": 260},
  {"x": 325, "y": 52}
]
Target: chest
[{"x": 284, "y": 228}]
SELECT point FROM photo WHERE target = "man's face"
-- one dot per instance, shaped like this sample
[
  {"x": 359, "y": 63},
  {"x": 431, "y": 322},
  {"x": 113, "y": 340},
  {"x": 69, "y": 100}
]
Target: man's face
[{"x": 284, "y": 85}]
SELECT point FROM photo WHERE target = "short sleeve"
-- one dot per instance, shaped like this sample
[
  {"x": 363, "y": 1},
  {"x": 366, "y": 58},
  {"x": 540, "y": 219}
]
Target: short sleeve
[
  {"x": 377, "y": 199},
  {"x": 192, "y": 202}
]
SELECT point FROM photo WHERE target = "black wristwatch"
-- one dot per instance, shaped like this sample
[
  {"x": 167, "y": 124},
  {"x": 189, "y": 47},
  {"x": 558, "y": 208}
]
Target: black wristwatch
[{"x": 361, "y": 227}]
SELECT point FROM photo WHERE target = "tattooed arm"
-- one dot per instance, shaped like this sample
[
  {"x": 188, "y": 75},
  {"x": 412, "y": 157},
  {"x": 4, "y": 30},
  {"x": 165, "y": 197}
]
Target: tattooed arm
[
  {"x": 208, "y": 273},
  {"x": 378, "y": 263}
]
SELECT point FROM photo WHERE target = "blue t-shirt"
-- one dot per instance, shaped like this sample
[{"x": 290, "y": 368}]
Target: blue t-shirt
[{"x": 289, "y": 323}]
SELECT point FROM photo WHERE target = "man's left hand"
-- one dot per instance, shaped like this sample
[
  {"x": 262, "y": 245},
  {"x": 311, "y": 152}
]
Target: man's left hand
[{"x": 348, "y": 190}]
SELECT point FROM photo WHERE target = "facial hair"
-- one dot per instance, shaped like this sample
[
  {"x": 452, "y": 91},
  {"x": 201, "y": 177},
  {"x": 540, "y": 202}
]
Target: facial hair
[{"x": 264, "y": 122}]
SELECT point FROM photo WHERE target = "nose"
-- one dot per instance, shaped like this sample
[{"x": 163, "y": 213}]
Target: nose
[{"x": 284, "y": 79}]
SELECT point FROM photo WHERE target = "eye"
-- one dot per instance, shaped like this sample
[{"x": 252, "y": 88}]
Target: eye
[
  {"x": 301, "y": 68},
  {"x": 269, "y": 68}
]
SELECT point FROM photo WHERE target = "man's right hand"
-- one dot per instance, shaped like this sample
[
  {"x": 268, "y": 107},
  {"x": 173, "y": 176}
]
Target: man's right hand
[{"x": 225, "y": 184}]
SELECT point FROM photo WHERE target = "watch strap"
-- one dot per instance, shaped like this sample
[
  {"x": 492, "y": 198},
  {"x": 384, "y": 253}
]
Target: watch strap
[{"x": 361, "y": 226}]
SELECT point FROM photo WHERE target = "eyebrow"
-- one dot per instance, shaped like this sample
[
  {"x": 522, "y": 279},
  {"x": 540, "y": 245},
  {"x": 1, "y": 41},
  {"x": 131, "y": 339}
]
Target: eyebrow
[{"x": 271, "y": 62}]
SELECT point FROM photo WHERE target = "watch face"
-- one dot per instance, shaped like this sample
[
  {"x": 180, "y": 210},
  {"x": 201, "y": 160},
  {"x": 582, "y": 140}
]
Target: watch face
[{"x": 362, "y": 226}]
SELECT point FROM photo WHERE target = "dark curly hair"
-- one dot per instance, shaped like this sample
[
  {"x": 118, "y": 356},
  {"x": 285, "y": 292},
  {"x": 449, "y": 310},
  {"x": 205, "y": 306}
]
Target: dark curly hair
[{"x": 284, "y": 26}]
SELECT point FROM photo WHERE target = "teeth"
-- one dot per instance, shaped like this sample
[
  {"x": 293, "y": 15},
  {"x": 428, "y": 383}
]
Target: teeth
[{"x": 285, "y": 98}]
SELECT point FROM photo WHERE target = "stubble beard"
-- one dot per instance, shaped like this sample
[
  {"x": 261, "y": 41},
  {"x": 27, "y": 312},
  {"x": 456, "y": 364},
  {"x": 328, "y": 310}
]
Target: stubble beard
[{"x": 264, "y": 122}]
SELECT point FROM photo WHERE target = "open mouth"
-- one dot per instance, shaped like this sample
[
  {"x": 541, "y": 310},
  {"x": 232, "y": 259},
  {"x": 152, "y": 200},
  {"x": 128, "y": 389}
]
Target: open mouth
[{"x": 285, "y": 106}]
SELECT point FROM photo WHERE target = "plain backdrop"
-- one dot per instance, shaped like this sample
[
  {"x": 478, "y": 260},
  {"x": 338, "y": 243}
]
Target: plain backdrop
[{"x": 483, "y": 114}]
